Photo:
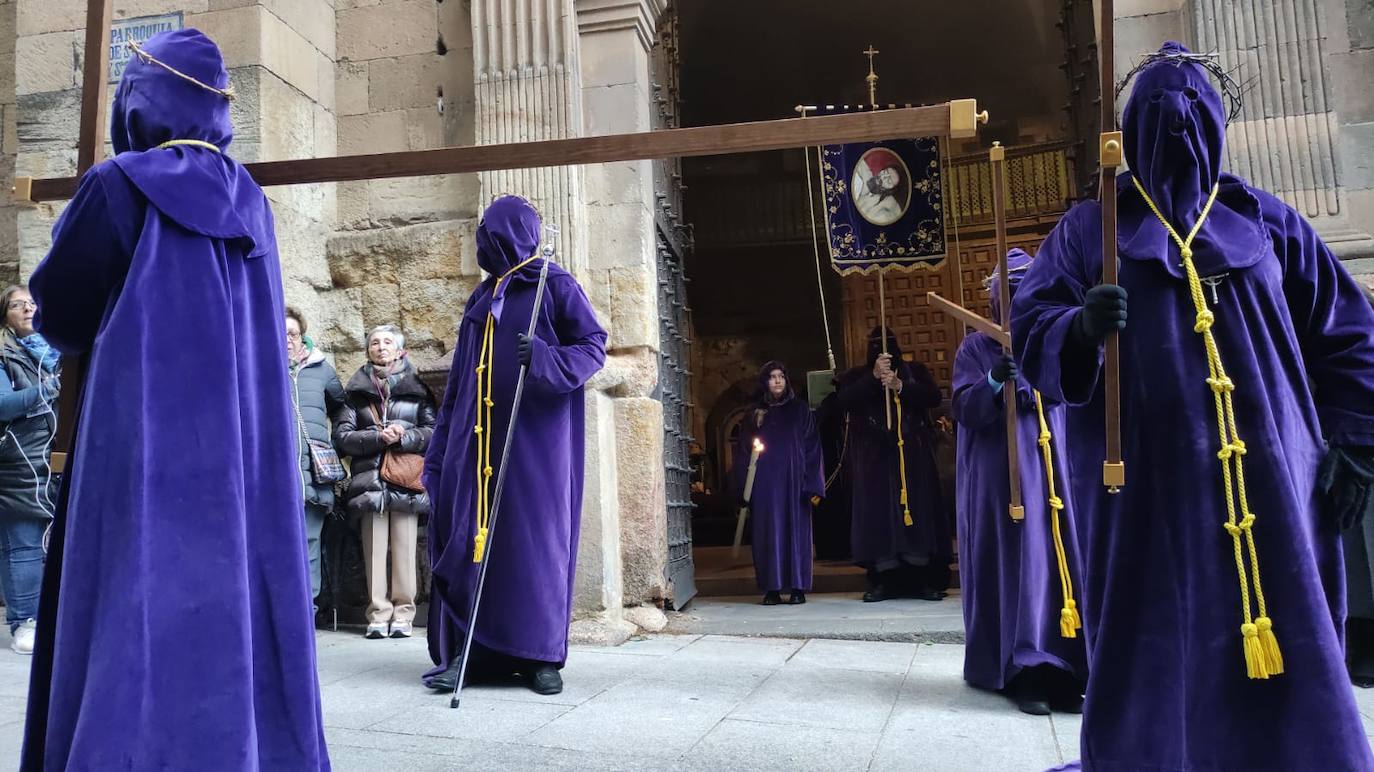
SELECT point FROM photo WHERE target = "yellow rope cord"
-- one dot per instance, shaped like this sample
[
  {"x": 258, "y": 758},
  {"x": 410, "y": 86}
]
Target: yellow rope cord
[
  {"x": 1261, "y": 646},
  {"x": 1069, "y": 621},
  {"x": 901, "y": 460},
  {"x": 191, "y": 142},
  {"x": 486, "y": 364}
]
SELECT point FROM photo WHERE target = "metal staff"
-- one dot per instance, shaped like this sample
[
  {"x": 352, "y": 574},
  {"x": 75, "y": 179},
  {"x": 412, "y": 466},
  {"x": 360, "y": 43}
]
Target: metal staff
[
  {"x": 1110, "y": 155},
  {"x": 547, "y": 253}
]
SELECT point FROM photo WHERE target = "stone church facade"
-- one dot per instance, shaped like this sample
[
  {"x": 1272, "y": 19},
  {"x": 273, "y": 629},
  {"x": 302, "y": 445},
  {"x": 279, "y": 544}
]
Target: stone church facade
[{"x": 321, "y": 78}]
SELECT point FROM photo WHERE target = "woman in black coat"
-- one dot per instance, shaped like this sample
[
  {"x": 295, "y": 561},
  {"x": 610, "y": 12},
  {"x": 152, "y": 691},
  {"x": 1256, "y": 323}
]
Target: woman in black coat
[{"x": 387, "y": 411}]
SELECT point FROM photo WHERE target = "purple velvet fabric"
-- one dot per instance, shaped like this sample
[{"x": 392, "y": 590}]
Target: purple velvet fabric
[
  {"x": 532, "y": 550},
  {"x": 880, "y": 539},
  {"x": 176, "y": 615},
  {"x": 1008, "y": 571},
  {"x": 1168, "y": 686},
  {"x": 788, "y": 475}
]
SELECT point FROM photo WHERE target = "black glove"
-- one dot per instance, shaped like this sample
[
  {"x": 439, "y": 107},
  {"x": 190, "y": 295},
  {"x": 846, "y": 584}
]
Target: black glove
[
  {"x": 1104, "y": 311},
  {"x": 1004, "y": 370},
  {"x": 524, "y": 351},
  {"x": 1345, "y": 481}
]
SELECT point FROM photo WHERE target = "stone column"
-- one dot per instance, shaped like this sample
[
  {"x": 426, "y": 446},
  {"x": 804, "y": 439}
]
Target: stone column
[
  {"x": 616, "y": 37},
  {"x": 525, "y": 61}
]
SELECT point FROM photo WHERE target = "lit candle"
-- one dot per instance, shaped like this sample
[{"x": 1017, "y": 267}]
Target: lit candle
[
  {"x": 748, "y": 494},
  {"x": 753, "y": 466}
]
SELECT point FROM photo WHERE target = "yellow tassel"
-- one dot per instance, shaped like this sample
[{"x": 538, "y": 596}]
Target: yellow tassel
[
  {"x": 479, "y": 545},
  {"x": 906, "y": 518},
  {"x": 1254, "y": 653},
  {"x": 1269, "y": 643}
]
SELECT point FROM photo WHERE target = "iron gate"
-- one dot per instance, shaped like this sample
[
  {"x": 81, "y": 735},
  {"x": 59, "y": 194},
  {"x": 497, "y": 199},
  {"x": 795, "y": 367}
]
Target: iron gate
[{"x": 674, "y": 391}]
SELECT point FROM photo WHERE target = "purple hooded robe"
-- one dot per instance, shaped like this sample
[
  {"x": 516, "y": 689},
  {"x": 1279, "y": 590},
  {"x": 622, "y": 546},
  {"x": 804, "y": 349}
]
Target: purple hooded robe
[
  {"x": 175, "y": 630},
  {"x": 787, "y": 476},
  {"x": 1168, "y": 686},
  {"x": 881, "y": 541},
  {"x": 1008, "y": 571},
  {"x": 527, "y": 600}
]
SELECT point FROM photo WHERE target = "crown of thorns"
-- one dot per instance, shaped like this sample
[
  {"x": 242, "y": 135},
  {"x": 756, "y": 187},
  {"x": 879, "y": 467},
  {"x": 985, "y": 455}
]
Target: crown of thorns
[
  {"x": 227, "y": 92},
  {"x": 1230, "y": 88},
  {"x": 988, "y": 280}
]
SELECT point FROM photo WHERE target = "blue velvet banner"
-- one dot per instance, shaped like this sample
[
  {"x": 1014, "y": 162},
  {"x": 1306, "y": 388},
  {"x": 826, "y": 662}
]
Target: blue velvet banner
[{"x": 884, "y": 203}]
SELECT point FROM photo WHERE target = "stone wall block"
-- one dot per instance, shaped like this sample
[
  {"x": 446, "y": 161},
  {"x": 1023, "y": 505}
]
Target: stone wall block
[{"x": 643, "y": 522}]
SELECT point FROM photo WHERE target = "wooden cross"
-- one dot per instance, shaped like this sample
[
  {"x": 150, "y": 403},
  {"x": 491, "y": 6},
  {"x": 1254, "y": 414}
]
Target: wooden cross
[
  {"x": 997, "y": 156},
  {"x": 1110, "y": 149},
  {"x": 956, "y": 119}
]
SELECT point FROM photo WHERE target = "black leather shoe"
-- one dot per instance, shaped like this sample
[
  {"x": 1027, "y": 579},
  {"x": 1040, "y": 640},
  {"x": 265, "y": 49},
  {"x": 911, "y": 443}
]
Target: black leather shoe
[
  {"x": 1032, "y": 705},
  {"x": 772, "y": 598},
  {"x": 928, "y": 594},
  {"x": 796, "y": 598},
  {"x": 878, "y": 593},
  {"x": 447, "y": 681},
  {"x": 546, "y": 680}
]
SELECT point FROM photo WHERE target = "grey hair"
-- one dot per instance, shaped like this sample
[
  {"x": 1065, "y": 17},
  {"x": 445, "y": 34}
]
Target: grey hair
[{"x": 395, "y": 333}]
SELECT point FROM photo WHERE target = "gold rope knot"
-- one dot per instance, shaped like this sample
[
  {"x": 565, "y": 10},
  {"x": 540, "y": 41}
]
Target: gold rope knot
[
  {"x": 487, "y": 472},
  {"x": 1057, "y": 503},
  {"x": 1231, "y": 528},
  {"x": 477, "y": 429},
  {"x": 1247, "y": 522},
  {"x": 1205, "y": 319},
  {"x": 1249, "y": 630},
  {"x": 488, "y": 403}
]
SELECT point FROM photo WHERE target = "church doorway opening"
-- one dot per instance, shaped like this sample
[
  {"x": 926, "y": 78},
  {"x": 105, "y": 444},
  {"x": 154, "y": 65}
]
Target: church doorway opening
[{"x": 757, "y": 231}]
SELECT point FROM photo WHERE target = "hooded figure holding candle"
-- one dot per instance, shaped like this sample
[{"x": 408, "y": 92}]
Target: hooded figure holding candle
[
  {"x": 527, "y": 600},
  {"x": 175, "y": 627},
  {"x": 1018, "y": 579},
  {"x": 779, "y": 483},
  {"x": 1214, "y": 594},
  {"x": 899, "y": 532}
]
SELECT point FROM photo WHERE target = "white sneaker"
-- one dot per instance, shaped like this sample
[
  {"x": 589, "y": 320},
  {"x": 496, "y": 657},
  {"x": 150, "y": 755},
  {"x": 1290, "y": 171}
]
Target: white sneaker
[
  {"x": 23, "y": 637},
  {"x": 376, "y": 630},
  {"x": 400, "y": 629}
]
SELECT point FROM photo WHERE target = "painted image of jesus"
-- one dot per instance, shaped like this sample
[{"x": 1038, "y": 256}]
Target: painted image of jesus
[{"x": 881, "y": 186}]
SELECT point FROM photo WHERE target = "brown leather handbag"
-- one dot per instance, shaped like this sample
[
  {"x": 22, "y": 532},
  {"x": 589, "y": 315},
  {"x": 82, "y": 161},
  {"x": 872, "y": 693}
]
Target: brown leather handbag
[{"x": 401, "y": 469}]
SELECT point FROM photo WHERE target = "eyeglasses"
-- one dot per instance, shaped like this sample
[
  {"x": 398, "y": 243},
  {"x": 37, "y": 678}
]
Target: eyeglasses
[
  {"x": 294, "y": 335},
  {"x": 15, "y": 305}
]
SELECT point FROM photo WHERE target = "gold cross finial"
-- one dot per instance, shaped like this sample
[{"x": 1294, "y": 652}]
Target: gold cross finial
[{"x": 872, "y": 76}]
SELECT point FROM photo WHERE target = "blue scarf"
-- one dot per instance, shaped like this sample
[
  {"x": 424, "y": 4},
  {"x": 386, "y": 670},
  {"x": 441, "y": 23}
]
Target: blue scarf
[{"x": 46, "y": 356}]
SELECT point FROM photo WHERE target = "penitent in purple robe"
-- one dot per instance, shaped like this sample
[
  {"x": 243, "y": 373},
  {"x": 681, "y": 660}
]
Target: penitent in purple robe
[
  {"x": 1168, "y": 684},
  {"x": 881, "y": 541},
  {"x": 527, "y": 600},
  {"x": 175, "y": 630},
  {"x": 1009, "y": 571},
  {"x": 787, "y": 476}
]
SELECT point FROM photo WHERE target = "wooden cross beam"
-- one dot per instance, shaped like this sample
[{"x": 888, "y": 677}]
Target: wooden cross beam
[
  {"x": 980, "y": 323},
  {"x": 959, "y": 118}
]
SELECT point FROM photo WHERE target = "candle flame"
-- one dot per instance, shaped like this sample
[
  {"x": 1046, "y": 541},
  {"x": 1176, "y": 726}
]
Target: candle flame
[{"x": 758, "y": 446}]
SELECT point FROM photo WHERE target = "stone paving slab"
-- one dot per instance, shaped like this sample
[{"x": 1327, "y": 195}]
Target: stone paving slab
[
  {"x": 694, "y": 703},
  {"x": 837, "y": 616}
]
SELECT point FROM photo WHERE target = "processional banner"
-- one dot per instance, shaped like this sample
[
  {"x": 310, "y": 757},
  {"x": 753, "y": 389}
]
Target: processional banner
[{"x": 884, "y": 203}]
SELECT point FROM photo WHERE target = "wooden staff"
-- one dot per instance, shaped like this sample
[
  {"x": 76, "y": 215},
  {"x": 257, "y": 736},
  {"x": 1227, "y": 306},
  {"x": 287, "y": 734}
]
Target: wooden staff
[
  {"x": 968, "y": 318},
  {"x": 1110, "y": 152},
  {"x": 998, "y": 158}
]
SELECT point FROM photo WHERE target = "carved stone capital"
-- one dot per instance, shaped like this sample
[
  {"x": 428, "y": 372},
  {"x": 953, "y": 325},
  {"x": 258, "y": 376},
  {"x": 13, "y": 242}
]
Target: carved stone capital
[{"x": 607, "y": 15}]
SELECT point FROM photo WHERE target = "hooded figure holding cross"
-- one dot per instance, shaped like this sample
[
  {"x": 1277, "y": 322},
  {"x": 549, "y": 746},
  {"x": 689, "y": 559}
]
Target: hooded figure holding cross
[
  {"x": 1021, "y": 623},
  {"x": 175, "y": 630},
  {"x": 1214, "y": 592}
]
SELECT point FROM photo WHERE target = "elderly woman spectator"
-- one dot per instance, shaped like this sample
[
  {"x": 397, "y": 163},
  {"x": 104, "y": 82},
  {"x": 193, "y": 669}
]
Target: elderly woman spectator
[
  {"x": 28, "y": 391},
  {"x": 385, "y": 427},
  {"x": 316, "y": 394}
]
